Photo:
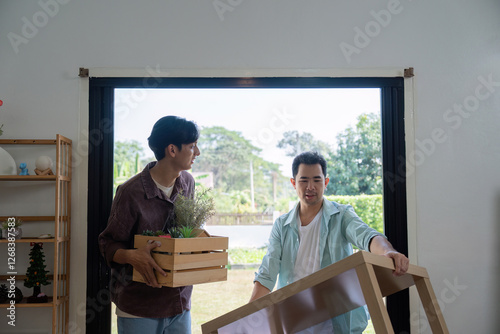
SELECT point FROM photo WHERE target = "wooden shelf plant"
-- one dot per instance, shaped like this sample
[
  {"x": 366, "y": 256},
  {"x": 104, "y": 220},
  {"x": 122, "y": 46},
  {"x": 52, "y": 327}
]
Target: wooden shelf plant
[{"x": 188, "y": 254}]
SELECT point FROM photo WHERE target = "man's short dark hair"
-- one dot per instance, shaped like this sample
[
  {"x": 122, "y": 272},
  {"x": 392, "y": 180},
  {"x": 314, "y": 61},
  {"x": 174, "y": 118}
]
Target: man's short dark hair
[
  {"x": 308, "y": 158},
  {"x": 171, "y": 130}
]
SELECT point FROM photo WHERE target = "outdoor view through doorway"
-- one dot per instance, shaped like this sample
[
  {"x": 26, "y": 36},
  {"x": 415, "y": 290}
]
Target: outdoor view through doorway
[{"x": 248, "y": 140}]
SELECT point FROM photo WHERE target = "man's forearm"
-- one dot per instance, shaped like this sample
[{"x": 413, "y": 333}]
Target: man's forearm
[
  {"x": 258, "y": 291},
  {"x": 380, "y": 246},
  {"x": 142, "y": 261},
  {"x": 122, "y": 256}
]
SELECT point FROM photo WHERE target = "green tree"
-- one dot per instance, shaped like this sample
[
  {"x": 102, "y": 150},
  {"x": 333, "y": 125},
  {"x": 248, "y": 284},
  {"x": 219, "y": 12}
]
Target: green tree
[
  {"x": 236, "y": 201},
  {"x": 234, "y": 162},
  {"x": 227, "y": 154},
  {"x": 356, "y": 165},
  {"x": 127, "y": 161},
  {"x": 36, "y": 275},
  {"x": 295, "y": 143}
]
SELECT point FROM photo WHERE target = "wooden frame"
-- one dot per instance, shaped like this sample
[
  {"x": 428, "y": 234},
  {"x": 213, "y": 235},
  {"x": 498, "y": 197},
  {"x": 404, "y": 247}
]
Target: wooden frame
[{"x": 362, "y": 278}]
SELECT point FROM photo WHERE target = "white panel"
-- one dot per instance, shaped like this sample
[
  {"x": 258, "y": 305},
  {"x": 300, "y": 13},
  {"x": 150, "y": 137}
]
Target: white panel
[{"x": 453, "y": 46}]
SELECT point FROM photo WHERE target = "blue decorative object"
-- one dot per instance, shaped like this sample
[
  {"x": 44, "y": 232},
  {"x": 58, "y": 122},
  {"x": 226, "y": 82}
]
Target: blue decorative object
[{"x": 24, "y": 169}]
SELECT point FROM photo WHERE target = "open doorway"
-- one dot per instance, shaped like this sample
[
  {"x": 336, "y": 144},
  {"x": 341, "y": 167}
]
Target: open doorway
[
  {"x": 248, "y": 140},
  {"x": 260, "y": 126}
]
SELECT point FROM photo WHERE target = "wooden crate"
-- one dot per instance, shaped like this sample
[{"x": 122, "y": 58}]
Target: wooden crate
[{"x": 187, "y": 261}]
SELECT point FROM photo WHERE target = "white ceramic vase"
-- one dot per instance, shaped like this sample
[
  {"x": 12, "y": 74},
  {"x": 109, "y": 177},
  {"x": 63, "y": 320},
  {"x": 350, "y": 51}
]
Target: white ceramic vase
[{"x": 7, "y": 163}]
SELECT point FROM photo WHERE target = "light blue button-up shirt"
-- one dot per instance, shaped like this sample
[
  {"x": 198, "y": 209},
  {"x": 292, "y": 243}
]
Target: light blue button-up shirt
[{"x": 340, "y": 229}]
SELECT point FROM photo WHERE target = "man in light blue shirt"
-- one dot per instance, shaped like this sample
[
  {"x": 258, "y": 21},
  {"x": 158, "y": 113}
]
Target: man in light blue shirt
[{"x": 315, "y": 234}]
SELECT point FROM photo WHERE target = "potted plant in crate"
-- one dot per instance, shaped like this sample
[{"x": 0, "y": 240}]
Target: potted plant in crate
[
  {"x": 191, "y": 214},
  {"x": 188, "y": 254}
]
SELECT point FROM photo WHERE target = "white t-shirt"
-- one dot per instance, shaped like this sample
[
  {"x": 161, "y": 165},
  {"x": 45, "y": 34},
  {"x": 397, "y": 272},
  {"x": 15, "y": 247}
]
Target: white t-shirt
[
  {"x": 168, "y": 192},
  {"x": 307, "y": 262}
]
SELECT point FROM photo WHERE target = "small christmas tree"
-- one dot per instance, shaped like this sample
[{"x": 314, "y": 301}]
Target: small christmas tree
[{"x": 36, "y": 274}]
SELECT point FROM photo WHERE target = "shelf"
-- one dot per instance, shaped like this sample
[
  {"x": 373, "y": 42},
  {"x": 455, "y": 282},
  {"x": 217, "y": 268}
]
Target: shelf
[
  {"x": 22, "y": 277},
  {"x": 28, "y": 142},
  {"x": 26, "y": 240},
  {"x": 27, "y": 177},
  {"x": 25, "y": 304},
  {"x": 29, "y": 219}
]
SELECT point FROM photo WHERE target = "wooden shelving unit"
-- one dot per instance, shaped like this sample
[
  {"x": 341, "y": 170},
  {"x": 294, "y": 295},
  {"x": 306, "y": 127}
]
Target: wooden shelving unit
[
  {"x": 26, "y": 240},
  {"x": 59, "y": 301},
  {"x": 28, "y": 177}
]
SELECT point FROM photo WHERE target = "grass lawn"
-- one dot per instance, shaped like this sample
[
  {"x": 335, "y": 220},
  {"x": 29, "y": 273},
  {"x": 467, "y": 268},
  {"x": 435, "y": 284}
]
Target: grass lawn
[{"x": 215, "y": 299}]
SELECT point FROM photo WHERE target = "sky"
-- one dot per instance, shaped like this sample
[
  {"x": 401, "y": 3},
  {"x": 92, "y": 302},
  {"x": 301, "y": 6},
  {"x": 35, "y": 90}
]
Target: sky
[{"x": 260, "y": 115}]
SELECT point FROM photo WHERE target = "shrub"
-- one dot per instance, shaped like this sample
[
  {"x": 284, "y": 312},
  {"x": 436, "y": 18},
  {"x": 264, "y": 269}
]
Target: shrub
[
  {"x": 246, "y": 255},
  {"x": 368, "y": 207}
]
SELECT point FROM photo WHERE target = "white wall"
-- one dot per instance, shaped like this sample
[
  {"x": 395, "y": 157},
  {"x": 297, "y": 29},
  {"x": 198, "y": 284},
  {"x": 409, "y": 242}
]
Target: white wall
[{"x": 453, "y": 45}]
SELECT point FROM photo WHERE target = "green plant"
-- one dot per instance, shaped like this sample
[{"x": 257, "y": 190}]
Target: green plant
[
  {"x": 36, "y": 275},
  {"x": 182, "y": 232},
  {"x": 153, "y": 234},
  {"x": 8, "y": 223},
  {"x": 192, "y": 213},
  {"x": 4, "y": 293}
]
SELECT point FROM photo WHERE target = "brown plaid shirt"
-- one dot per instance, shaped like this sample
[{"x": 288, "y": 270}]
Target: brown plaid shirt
[{"x": 138, "y": 206}]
